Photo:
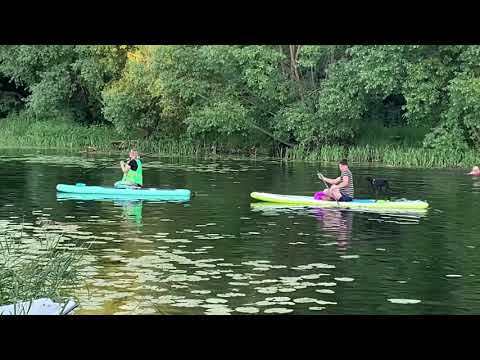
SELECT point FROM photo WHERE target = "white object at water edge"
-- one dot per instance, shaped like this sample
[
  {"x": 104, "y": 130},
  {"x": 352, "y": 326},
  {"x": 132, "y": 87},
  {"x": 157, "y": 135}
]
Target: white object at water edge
[{"x": 42, "y": 306}]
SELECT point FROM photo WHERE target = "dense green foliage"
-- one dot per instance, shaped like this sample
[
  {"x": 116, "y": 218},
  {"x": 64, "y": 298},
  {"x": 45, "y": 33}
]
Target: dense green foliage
[
  {"x": 61, "y": 79},
  {"x": 309, "y": 96}
]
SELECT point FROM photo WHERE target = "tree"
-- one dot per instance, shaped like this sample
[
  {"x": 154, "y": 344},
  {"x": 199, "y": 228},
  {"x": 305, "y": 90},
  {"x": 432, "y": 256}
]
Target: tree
[{"x": 62, "y": 78}]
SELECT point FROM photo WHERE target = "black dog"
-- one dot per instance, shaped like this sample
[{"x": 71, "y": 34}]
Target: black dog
[{"x": 378, "y": 184}]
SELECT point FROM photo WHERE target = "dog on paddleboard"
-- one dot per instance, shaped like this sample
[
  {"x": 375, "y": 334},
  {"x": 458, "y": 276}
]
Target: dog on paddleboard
[{"x": 378, "y": 185}]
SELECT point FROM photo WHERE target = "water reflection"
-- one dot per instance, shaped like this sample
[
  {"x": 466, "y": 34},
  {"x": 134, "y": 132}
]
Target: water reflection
[
  {"x": 131, "y": 210},
  {"x": 476, "y": 184},
  {"x": 337, "y": 222}
]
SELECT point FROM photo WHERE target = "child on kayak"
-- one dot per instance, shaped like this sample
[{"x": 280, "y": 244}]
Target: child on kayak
[
  {"x": 132, "y": 172},
  {"x": 475, "y": 171},
  {"x": 342, "y": 186}
]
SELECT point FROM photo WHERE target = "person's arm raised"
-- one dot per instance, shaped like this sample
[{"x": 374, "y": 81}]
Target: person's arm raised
[
  {"x": 343, "y": 183},
  {"x": 332, "y": 181},
  {"x": 125, "y": 167}
]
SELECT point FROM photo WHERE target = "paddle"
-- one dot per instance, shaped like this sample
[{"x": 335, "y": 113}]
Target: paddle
[{"x": 321, "y": 177}]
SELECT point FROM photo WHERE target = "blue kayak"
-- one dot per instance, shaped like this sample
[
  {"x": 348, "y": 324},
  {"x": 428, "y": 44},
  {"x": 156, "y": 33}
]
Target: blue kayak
[
  {"x": 121, "y": 199},
  {"x": 102, "y": 192}
]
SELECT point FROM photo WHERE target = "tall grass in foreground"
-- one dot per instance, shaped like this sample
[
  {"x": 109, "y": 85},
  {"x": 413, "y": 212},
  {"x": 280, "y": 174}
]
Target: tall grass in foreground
[
  {"x": 387, "y": 155},
  {"x": 47, "y": 271}
]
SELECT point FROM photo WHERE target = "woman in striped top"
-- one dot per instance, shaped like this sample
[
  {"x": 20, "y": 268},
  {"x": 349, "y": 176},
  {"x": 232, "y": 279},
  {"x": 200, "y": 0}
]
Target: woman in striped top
[{"x": 342, "y": 186}]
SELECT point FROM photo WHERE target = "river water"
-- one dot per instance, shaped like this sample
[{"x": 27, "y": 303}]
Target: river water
[{"x": 222, "y": 254}]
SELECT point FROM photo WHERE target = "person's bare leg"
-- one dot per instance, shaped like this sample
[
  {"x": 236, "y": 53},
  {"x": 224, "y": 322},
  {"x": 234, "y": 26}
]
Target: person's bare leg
[
  {"x": 336, "y": 194},
  {"x": 329, "y": 196}
]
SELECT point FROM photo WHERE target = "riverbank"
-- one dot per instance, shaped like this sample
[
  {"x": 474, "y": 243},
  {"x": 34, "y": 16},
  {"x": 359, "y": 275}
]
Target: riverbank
[
  {"x": 62, "y": 134},
  {"x": 387, "y": 155},
  {"x": 65, "y": 135}
]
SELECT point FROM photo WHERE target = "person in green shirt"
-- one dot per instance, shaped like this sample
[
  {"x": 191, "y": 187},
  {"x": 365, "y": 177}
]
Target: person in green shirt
[{"x": 132, "y": 172}]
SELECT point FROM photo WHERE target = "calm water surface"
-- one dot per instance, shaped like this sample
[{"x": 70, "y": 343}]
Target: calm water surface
[{"x": 222, "y": 254}]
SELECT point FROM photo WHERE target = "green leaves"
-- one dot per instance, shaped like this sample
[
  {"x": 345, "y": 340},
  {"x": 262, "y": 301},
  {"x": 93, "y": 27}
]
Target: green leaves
[
  {"x": 380, "y": 69},
  {"x": 312, "y": 95},
  {"x": 227, "y": 116},
  {"x": 138, "y": 102},
  {"x": 464, "y": 107},
  {"x": 62, "y": 78},
  {"x": 219, "y": 89}
]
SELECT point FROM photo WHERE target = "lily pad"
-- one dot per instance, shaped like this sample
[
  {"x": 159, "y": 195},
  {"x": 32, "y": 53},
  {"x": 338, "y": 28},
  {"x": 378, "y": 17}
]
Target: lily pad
[
  {"x": 404, "y": 301},
  {"x": 247, "y": 310},
  {"x": 304, "y": 300},
  {"x": 325, "y": 291},
  {"x": 277, "y": 311}
]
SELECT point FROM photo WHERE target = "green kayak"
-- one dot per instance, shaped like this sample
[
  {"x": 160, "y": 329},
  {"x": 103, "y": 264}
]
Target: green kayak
[{"x": 355, "y": 204}]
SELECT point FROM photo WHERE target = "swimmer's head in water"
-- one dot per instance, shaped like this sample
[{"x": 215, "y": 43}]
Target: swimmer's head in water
[{"x": 475, "y": 171}]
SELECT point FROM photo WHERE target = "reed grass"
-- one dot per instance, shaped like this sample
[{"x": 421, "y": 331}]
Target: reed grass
[
  {"x": 49, "y": 272},
  {"x": 53, "y": 134},
  {"x": 398, "y": 156},
  {"x": 324, "y": 154},
  {"x": 20, "y": 132}
]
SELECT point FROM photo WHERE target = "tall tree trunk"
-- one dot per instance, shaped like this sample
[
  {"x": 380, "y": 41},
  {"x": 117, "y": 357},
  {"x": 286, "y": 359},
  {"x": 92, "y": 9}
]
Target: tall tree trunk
[
  {"x": 477, "y": 134},
  {"x": 280, "y": 50},
  {"x": 294, "y": 51},
  {"x": 284, "y": 64}
]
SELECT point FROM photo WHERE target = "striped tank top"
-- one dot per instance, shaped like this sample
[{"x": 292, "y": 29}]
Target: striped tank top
[{"x": 348, "y": 190}]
